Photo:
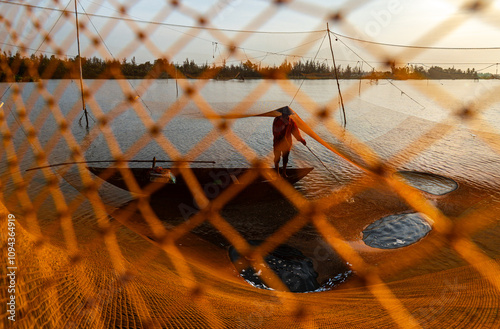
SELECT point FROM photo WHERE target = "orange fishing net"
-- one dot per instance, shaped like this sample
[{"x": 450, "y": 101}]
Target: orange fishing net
[{"x": 79, "y": 252}]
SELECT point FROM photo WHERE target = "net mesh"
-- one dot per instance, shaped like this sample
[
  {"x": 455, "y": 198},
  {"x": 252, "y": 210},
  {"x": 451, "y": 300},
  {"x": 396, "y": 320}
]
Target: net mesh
[{"x": 80, "y": 253}]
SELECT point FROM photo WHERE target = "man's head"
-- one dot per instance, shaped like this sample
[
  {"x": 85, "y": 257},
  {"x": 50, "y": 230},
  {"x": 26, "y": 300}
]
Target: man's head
[{"x": 286, "y": 111}]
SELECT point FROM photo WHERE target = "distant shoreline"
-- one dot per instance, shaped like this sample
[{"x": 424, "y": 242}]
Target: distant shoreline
[
  {"x": 239, "y": 80},
  {"x": 34, "y": 68}
]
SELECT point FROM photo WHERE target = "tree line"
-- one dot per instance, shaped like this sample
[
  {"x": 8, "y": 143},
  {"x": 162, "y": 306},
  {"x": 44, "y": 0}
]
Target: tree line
[{"x": 14, "y": 67}]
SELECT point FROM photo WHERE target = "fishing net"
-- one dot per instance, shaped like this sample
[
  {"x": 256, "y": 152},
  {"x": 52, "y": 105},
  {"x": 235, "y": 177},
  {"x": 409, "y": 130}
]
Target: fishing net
[{"x": 79, "y": 252}]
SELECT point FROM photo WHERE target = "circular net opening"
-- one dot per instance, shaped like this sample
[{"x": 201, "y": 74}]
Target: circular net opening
[
  {"x": 427, "y": 182},
  {"x": 396, "y": 231},
  {"x": 295, "y": 270}
]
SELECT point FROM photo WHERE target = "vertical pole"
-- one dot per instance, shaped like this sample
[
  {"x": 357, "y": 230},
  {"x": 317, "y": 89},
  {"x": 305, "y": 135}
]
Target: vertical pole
[
  {"x": 360, "y": 70},
  {"x": 80, "y": 65},
  {"x": 336, "y": 77}
]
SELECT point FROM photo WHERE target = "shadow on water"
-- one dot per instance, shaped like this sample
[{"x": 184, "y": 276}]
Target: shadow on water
[{"x": 305, "y": 263}]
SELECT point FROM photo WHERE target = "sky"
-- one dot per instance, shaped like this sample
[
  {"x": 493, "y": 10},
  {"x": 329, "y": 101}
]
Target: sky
[{"x": 275, "y": 32}]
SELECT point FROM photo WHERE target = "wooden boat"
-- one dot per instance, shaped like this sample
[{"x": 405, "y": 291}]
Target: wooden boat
[{"x": 168, "y": 182}]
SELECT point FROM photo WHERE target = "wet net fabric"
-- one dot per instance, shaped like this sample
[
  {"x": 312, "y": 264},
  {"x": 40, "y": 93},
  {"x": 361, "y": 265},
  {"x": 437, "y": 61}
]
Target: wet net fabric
[
  {"x": 87, "y": 254},
  {"x": 91, "y": 294}
]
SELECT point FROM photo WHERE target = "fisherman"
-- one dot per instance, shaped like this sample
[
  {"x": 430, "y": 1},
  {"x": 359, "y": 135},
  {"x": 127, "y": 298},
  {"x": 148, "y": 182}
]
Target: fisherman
[{"x": 283, "y": 129}]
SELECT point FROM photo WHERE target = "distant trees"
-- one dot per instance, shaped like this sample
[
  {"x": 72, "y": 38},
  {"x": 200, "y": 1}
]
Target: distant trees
[
  {"x": 436, "y": 72},
  {"x": 418, "y": 72},
  {"x": 14, "y": 67}
]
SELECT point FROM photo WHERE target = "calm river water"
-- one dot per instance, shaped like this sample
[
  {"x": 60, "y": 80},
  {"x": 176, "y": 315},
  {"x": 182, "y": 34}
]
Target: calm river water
[{"x": 387, "y": 116}]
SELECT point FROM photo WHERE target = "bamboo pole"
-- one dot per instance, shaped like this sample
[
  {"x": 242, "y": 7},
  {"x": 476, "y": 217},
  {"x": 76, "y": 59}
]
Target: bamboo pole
[
  {"x": 80, "y": 66},
  {"x": 110, "y": 161},
  {"x": 336, "y": 76}
]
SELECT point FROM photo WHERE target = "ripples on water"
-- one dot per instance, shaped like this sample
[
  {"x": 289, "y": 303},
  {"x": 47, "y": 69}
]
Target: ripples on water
[{"x": 388, "y": 121}]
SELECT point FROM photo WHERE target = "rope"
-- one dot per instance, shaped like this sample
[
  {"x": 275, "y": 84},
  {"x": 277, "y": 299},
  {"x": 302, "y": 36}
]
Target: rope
[
  {"x": 336, "y": 76},
  {"x": 109, "y": 51},
  {"x": 321, "y": 162},
  {"x": 389, "y": 81},
  {"x": 413, "y": 47},
  {"x": 302, "y": 82},
  {"x": 6, "y": 90}
]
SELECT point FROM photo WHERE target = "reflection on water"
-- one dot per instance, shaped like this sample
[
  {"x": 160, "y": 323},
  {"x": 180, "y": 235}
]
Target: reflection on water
[{"x": 418, "y": 134}]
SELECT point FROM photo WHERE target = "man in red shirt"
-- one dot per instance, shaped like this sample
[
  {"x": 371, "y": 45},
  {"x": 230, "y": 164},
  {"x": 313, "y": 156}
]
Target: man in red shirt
[{"x": 283, "y": 129}]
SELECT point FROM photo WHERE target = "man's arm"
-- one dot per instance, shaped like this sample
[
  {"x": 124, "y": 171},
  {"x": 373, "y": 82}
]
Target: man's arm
[{"x": 296, "y": 133}]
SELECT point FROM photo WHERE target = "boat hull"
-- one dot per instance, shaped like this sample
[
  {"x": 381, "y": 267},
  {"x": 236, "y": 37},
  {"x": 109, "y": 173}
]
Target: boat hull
[{"x": 170, "y": 183}]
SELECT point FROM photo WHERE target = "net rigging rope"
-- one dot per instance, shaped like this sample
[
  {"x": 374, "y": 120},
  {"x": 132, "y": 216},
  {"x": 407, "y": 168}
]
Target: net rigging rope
[{"x": 322, "y": 163}]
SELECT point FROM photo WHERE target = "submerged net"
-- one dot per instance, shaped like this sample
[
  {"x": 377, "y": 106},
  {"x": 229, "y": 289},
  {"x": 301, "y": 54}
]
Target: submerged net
[{"x": 82, "y": 253}]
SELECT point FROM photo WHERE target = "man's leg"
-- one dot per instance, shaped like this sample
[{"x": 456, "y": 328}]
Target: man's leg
[
  {"x": 277, "y": 154},
  {"x": 285, "y": 162}
]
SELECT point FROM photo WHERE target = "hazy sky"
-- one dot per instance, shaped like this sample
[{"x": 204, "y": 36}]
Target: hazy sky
[{"x": 429, "y": 24}]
